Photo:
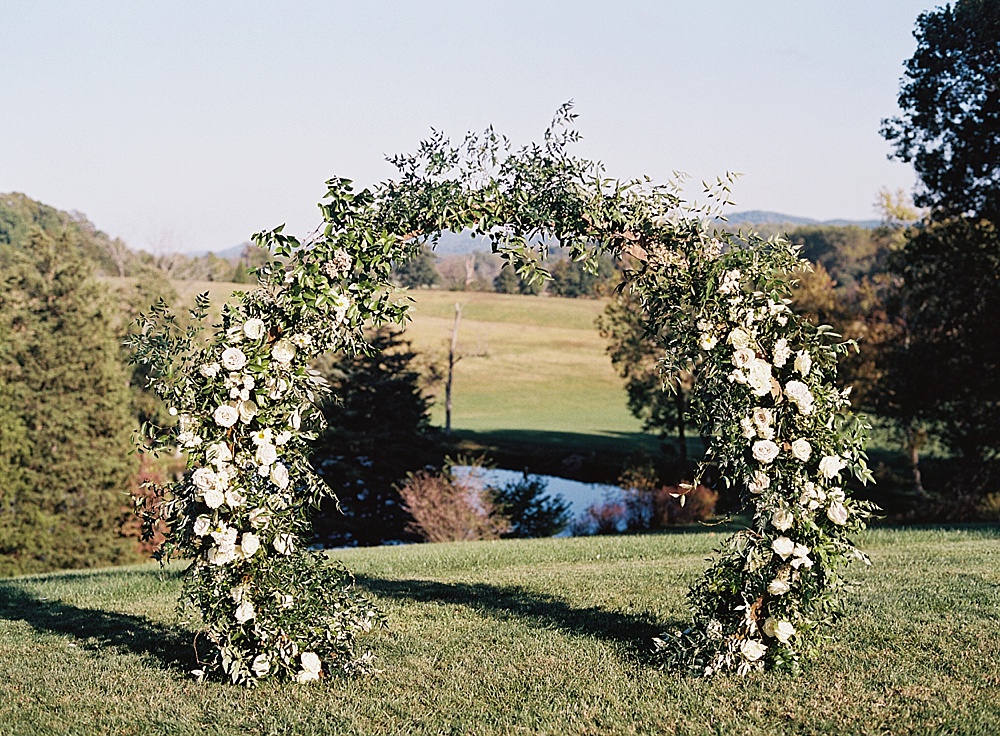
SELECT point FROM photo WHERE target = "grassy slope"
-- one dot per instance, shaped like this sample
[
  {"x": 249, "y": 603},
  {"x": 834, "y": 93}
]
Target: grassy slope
[{"x": 538, "y": 636}]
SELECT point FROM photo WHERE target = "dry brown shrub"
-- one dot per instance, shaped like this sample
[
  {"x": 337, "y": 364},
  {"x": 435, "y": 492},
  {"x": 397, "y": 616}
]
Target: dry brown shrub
[{"x": 449, "y": 509}]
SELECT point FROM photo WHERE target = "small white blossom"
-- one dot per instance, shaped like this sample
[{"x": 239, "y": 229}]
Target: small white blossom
[
  {"x": 747, "y": 428},
  {"x": 739, "y": 338},
  {"x": 753, "y": 649},
  {"x": 837, "y": 513},
  {"x": 202, "y": 525},
  {"x": 780, "y": 630},
  {"x": 759, "y": 377},
  {"x": 781, "y": 352},
  {"x": 778, "y": 586},
  {"x": 210, "y": 370},
  {"x": 279, "y": 475},
  {"x": 301, "y": 340},
  {"x": 245, "y": 612},
  {"x": 708, "y": 341}
]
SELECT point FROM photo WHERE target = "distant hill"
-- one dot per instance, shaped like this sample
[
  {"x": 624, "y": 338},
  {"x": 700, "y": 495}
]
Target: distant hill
[{"x": 763, "y": 217}]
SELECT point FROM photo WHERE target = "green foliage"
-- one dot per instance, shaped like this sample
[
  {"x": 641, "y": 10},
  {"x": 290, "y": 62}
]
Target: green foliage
[
  {"x": 64, "y": 405},
  {"x": 951, "y": 110},
  {"x": 378, "y": 430},
  {"x": 529, "y": 511},
  {"x": 508, "y": 282},
  {"x": 418, "y": 270}
]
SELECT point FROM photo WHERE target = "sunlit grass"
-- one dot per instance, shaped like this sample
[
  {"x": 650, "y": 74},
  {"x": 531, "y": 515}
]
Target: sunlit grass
[{"x": 524, "y": 637}]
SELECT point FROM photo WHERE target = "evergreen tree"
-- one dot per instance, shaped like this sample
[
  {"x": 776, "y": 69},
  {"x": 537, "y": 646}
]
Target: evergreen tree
[
  {"x": 66, "y": 398},
  {"x": 377, "y": 432}
]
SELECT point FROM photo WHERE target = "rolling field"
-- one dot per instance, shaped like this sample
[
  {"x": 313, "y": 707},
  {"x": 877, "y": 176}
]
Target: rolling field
[{"x": 524, "y": 637}]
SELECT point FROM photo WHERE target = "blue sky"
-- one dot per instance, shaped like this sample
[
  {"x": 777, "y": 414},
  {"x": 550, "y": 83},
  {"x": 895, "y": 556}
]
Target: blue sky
[{"x": 190, "y": 125}]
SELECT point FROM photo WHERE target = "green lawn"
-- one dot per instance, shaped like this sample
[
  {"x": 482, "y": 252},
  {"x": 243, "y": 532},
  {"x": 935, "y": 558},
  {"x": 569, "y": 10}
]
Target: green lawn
[{"x": 524, "y": 637}]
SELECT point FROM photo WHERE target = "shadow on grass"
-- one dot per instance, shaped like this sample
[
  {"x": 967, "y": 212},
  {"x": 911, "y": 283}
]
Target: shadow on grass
[
  {"x": 98, "y": 630},
  {"x": 630, "y": 634}
]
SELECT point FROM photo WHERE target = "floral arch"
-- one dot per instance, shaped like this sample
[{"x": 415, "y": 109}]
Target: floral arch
[{"x": 245, "y": 397}]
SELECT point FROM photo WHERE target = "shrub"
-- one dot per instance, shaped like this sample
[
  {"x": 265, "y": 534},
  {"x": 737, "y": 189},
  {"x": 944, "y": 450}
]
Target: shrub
[
  {"x": 530, "y": 511},
  {"x": 446, "y": 508}
]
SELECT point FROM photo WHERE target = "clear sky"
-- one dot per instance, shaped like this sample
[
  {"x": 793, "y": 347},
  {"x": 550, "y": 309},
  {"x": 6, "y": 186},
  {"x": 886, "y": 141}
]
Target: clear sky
[{"x": 190, "y": 125}]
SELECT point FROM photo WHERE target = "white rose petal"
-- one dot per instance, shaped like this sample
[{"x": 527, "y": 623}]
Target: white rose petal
[
  {"x": 801, "y": 450},
  {"x": 279, "y": 476},
  {"x": 759, "y": 377},
  {"x": 783, "y": 547},
  {"x": 765, "y": 451},
  {"x": 266, "y": 453},
  {"x": 233, "y": 359},
  {"x": 837, "y": 513},
  {"x": 778, "y": 587},
  {"x": 249, "y": 544},
  {"x": 214, "y": 498},
  {"x": 226, "y": 416},
  {"x": 760, "y": 482},
  {"x": 803, "y": 362},
  {"x": 831, "y": 465},
  {"x": 254, "y": 328},
  {"x": 245, "y": 612},
  {"x": 248, "y": 410},
  {"x": 753, "y": 649},
  {"x": 311, "y": 662},
  {"x": 283, "y": 351},
  {"x": 202, "y": 525},
  {"x": 218, "y": 453},
  {"x": 782, "y": 520}
]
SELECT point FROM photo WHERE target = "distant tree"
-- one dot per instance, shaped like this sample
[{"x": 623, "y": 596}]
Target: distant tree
[
  {"x": 64, "y": 369},
  {"x": 529, "y": 510},
  {"x": 847, "y": 253},
  {"x": 659, "y": 401},
  {"x": 508, "y": 282},
  {"x": 419, "y": 270},
  {"x": 377, "y": 433},
  {"x": 950, "y": 98},
  {"x": 572, "y": 279}
]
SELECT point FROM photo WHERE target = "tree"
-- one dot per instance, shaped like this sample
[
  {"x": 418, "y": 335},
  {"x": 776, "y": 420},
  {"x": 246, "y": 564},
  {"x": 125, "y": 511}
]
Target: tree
[
  {"x": 63, "y": 368},
  {"x": 419, "y": 270},
  {"x": 508, "y": 282},
  {"x": 659, "y": 401},
  {"x": 573, "y": 279},
  {"x": 950, "y": 98},
  {"x": 529, "y": 510},
  {"x": 377, "y": 432}
]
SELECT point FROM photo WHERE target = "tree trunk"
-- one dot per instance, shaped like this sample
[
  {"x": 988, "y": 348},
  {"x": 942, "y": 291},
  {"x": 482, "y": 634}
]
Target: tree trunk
[
  {"x": 452, "y": 359},
  {"x": 915, "y": 439},
  {"x": 682, "y": 448}
]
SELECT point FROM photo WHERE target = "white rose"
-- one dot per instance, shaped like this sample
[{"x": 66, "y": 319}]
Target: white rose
[
  {"x": 753, "y": 649},
  {"x": 747, "y": 428},
  {"x": 778, "y": 587},
  {"x": 304, "y": 676},
  {"x": 760, "y": 482},
  {"x": 762, "y": 417},
  {"x": 801, "y": 450},
  {"x": 742, "y": 357},
  {"x": 214, "y": 498},
  {"x": 249, "y": 544},
  {"x": 831, "y": 465},
  {"x": 233, "y": 359},
  {"x": 302, "y": 340},
  {"x": 210, "y": 370},
  {"x": 202, "y": 525},
  {"x": 222, "y": 554},
  {"x": 708, "y": 342},
  {"x": 783, "y": 547},
  {"x": 226, "y": 415},
  {"x": 266, "y": 453},
  {"x": 765, "y": 451},
  {"x": 259, "y": 518},
  {"x": 759, "y": 377},
  {"x": 283, "y": 351},
  {"x": 803, "y": 362},
  {"x": 782, "y": 520},
  {"x": 254, "y": 328},
  {"x": 780, "y": 630},
  {"x": 234, "y": 498},
  {"x": 284, "y": 544},
  {"x": 261, "y": 665},
  {"x": 800, "y": 394},
  {"x": 248, "y": 410},
  {"x": 279, "y": 475},
  {"x": 218, "y": 453},
  {"x": 739, "y": 338},
  {"x": 203, "y": 479},
  {"x": 311, "y": 662},
  {"x": 245, "y": 612},
  {"x": 282, "y": 437},
  {"x": 837, "y": 513}
]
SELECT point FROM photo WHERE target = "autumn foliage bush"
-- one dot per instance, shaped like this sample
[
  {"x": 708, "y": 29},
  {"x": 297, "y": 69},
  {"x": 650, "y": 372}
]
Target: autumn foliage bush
[{"x": 448, "y": 508}]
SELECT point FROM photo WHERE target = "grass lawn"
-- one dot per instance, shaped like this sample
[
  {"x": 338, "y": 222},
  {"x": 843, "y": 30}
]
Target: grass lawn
[{"x": 524, "y": 637}]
